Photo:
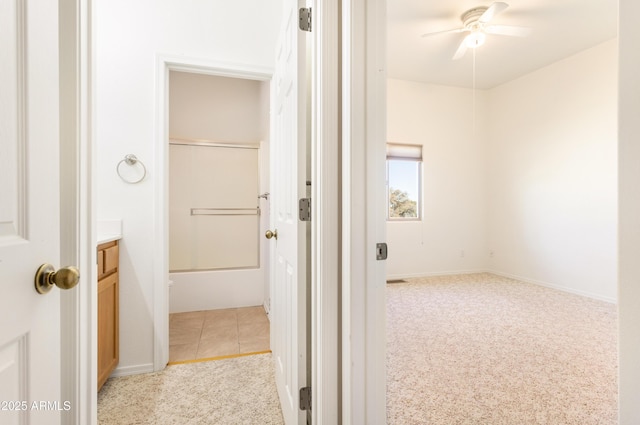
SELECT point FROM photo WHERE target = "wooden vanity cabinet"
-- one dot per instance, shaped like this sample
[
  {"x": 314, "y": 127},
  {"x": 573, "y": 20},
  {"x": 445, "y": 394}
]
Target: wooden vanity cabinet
[{"x": 108, "y": 315}]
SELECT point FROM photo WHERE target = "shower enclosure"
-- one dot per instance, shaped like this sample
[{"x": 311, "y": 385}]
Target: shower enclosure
[
  {"x": 216, "y": 217},
  {"x": 218, "y": 167}
]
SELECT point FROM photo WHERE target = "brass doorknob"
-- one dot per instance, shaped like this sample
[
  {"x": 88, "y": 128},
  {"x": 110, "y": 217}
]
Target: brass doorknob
[
  {"x": 269, "y": 234},
  {"x": 47, "y": 276}
]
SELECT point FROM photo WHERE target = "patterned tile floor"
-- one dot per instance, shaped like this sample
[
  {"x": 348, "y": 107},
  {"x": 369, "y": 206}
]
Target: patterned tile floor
[{"x": 213, "y": 333}]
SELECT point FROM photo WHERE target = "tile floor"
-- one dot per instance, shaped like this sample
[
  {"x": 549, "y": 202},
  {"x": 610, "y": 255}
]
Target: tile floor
[{"x": 213, "y": 333}]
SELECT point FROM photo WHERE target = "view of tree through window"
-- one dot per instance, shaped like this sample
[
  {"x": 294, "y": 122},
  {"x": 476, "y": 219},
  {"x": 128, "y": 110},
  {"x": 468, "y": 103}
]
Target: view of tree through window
[
  {"x": 400, "y": 205},
  {"x": 404, "y": 189}
]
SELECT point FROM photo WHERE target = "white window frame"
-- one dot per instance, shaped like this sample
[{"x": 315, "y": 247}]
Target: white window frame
[{"x": 408, "y": 153}]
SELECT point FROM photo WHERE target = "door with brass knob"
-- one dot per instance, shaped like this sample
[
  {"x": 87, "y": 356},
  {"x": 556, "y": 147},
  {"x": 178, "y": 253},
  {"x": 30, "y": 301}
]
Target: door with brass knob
[
  {"x": 47, "y": 277},
  {"x": 269, "y": 234},
  {"x": 31, "y": 341}
]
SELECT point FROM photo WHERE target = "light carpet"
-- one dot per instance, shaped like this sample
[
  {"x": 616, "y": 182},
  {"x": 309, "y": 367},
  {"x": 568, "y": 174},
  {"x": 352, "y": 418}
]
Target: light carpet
[
  {"x": 232, "y": 391},
  {"x": 484, "y": 349}
]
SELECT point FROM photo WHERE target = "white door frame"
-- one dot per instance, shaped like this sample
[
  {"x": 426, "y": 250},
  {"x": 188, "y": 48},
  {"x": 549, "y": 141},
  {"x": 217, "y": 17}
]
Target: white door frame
[
  {"x": 325, "y": 204},
  {"x": 628, "y": 215},
  {"x": 348, "y": 216},
  {"x": 165, "y": 64},
  {"x": 78, "y": 321},
  {"x": 363, "y": 222}
]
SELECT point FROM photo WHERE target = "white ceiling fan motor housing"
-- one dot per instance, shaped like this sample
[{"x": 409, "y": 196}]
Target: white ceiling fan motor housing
[{"x": 471, "y": 17}]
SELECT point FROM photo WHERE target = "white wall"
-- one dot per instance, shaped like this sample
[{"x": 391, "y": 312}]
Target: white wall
[
  {"x": 451, "y": 237},
  {"x": 532, "y": 194},
  {"x": 129, "y": 38},
  {"x": 552, "y": 163},
  {"x": 629, "y": 232}
]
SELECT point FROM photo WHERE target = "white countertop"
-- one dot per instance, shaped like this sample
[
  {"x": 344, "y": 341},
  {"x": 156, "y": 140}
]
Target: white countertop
[
  {"x": 104, "y": 238},
  {"x": 109, "y": 230}
]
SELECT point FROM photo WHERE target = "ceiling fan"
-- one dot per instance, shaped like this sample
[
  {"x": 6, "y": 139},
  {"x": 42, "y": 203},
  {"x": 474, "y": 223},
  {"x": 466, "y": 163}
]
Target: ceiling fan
[{"x": 476, "y": 22}]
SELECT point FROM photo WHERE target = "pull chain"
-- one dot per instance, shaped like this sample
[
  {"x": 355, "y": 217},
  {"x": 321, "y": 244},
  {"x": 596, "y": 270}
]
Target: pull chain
[{"x": 473, "y": 112}]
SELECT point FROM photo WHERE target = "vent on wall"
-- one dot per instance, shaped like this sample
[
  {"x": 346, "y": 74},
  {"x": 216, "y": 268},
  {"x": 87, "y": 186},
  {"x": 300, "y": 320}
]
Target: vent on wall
[{"x": 396, "y": 281}]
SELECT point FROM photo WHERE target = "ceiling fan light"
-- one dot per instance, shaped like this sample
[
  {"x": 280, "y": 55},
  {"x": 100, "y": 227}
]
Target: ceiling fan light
[{"x": 475, "y": 39}]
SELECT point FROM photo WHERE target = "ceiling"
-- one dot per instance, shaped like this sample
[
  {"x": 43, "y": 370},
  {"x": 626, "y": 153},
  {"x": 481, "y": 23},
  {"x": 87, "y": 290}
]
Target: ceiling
[{"x": 559, "y": 28}]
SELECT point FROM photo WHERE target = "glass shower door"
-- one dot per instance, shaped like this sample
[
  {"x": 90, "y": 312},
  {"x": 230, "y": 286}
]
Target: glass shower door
[{"x": 214, "y": 216}]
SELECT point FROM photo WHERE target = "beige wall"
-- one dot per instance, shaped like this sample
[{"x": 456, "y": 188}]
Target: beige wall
[
  {"x": 215, "y": 108},
  {"x": 552, "y": 168},
  {"x": 451, "y": 236}
]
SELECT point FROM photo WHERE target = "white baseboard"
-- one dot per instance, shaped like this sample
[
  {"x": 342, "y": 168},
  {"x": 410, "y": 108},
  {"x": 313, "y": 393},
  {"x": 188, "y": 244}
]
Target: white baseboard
[
  {"x": 555, "y": 286},
  {"x": 511, "y": 276},
  {"x": 442, "y": 273},
  {"x": 132, "y": 370}
]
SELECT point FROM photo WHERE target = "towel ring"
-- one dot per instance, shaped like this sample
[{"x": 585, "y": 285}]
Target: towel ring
[{"x": 132, "y": 160}]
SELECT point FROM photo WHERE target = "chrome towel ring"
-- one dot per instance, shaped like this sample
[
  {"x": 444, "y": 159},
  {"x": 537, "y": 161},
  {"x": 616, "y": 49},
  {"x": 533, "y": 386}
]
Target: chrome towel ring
[{"x": 131, "y": 160}]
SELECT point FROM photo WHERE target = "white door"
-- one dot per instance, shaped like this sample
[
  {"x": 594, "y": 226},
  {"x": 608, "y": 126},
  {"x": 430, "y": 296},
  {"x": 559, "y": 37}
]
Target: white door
[
  {"x": 29, "y": 212},
  {"x": 288, "y": 184}
]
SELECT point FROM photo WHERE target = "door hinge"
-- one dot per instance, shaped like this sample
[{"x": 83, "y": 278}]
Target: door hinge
[
  {"x": 305, "y": 398},
  {"x": 304, "y": 205},
  {"x": 381, "y": 251},
  {"x": 304, "y": 16}
]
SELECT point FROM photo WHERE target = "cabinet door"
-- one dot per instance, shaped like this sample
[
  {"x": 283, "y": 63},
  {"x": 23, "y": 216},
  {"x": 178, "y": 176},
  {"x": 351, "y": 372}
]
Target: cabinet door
[
  {"x": 111, "y": 259},
  {"x": 107, "y": 327}
]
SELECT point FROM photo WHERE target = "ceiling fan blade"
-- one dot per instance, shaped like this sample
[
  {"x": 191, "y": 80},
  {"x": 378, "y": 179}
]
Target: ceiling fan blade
[
  {"x": 462, "y": 49},
  {"x": 492, "y": 11},
  {"x": 508, "y": 30},
  {"x": 429, "y": 34}
]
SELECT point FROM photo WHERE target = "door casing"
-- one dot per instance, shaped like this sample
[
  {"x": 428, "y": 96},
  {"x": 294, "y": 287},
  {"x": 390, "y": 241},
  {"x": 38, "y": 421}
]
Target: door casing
[{"x": 161, "y": 181}]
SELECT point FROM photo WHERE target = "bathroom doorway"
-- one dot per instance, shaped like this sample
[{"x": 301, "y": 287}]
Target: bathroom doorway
[{"x": 218, "y": 159}]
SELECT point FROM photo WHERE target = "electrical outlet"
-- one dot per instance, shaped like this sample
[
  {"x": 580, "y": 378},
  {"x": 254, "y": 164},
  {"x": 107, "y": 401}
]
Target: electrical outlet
[{"x": 491, "y": 254}]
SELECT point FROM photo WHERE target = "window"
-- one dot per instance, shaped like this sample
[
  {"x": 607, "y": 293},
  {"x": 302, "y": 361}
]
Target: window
[{"x": 404, "y": 165}]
